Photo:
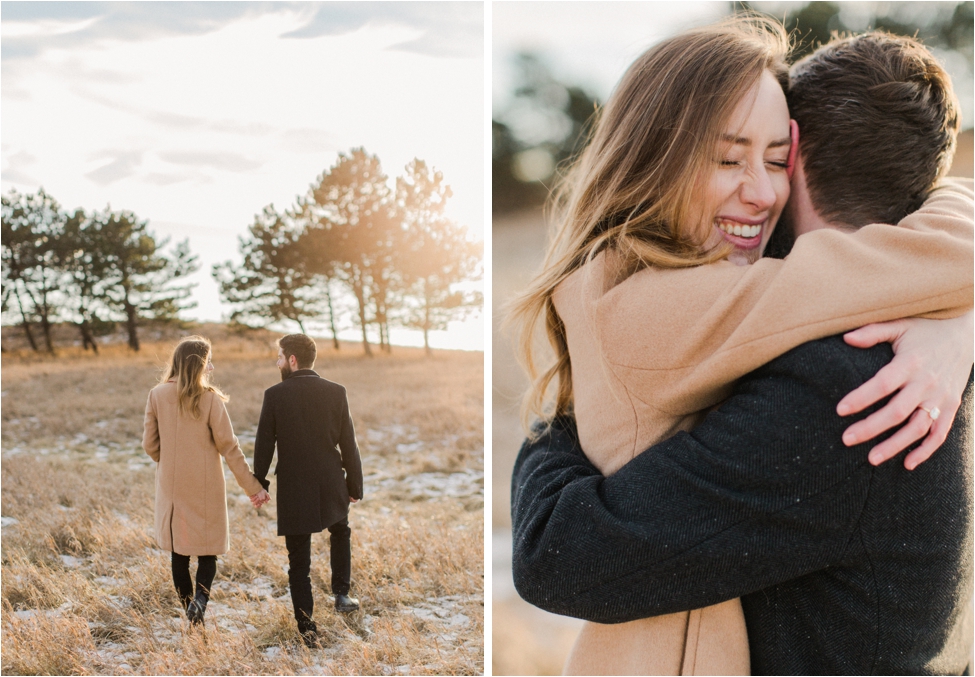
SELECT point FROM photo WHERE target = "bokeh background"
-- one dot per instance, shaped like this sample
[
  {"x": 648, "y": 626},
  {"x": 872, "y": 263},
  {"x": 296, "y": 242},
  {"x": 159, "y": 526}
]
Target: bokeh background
[{"x": 553, "y": 62}]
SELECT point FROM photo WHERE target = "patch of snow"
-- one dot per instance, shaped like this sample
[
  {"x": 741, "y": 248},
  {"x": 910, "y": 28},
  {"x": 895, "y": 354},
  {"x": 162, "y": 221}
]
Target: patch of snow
[
  {"x": 7, "y": 521},
  {"x": 260, "y": 587},
  {"x": 24, "y": 614},
  {"x": 71, "y": 562},
  {"x": 444, "y": 611},
  {"x": 101, "y": 424},
  {"x": 107, "y": 580},
  {"x": 392, "y": 432},
  {"x": 409, "y": 448},
  {"x": 436, "y": 484}
]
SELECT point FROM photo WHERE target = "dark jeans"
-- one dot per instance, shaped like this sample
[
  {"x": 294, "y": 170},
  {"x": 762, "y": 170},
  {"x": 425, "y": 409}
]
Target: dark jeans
[
  {"x": 299, "y": 561},
  {"x": 205, "y": 571}
]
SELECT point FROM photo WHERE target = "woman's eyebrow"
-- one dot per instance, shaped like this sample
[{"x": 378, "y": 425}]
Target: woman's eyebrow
[{"x": 745, "y": 141}]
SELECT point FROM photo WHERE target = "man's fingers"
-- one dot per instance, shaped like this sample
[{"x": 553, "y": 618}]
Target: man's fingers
[
  {"x": 890, "y": 415},
  {"x": 914, "y": 430},
  {"x": 885, "y": 382},
  {"x": 872, "y": 334}
]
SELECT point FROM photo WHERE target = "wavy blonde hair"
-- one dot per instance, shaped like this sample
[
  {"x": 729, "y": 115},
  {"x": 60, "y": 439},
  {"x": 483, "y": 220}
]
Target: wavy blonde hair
[
  {"x": 187, "y": 366},
  {"x": 633, "y": 189}
]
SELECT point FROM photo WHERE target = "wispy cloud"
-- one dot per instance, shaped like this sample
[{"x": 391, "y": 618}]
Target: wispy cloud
[
  {"x": 15, "y": 170},
  {"x": 174, "y": 120},
  {"x": 171, "y": 178},
  {"x": 66, "y": 25},
  {"x": 15, "y": 175},
  {"x": 215, "y": 160},
  {"x": 449, "y": 29},
  {"x": 452, "y": 29},
  {"x": 123, "y": 164},
  {"x": 308, "y": 140}
]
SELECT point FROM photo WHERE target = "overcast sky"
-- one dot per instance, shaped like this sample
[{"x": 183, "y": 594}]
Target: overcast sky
[{"x": 195, "y": 115}]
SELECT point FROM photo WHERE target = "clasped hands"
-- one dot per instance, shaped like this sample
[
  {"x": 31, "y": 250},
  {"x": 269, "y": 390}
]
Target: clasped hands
[{"x": 260, "y": 498}]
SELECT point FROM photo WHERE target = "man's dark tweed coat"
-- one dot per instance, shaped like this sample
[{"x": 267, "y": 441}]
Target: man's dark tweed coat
[
  {"x": 318, "y": 459},
  {"x": 842, "y": 567}
]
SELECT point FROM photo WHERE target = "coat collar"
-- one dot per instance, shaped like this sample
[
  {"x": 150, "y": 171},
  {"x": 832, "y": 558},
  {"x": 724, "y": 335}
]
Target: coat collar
[{"x": 303, "y": 372}]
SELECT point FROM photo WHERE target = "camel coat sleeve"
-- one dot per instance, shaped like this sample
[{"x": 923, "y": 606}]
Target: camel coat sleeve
[
  {"x": 150, "y": 435},
  {"x": 228, "y": 447},
  {"x": 677, "y": 338}
]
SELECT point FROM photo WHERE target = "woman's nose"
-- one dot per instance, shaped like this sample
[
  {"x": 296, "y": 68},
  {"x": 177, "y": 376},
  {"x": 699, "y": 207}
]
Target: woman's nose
[{"x": 757, "y": 189}]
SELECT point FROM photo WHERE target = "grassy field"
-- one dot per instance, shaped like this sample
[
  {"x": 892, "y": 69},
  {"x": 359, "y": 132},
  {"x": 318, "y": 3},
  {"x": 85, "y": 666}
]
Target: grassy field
[{"x": 85, "y": 590}]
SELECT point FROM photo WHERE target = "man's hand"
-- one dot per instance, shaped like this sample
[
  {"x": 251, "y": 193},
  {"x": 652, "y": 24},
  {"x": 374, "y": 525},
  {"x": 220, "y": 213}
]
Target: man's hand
[
  {"x": 353, "y": 500},
  {"x": 260, "y": 498},
  {"x": 929, "y": 372}
]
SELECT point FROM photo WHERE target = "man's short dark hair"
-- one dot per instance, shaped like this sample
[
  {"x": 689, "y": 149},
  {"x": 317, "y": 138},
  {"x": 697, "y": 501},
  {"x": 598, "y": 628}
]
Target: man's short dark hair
[
  {"x": 302, "y": 347},
  {"x": 877, "y": 120}
]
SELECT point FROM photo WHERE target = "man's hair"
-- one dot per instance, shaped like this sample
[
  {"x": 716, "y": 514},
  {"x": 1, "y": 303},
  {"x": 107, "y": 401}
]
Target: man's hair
[
  {"x": 877, "y": 124},
  {"x": 302, "y": 347}
]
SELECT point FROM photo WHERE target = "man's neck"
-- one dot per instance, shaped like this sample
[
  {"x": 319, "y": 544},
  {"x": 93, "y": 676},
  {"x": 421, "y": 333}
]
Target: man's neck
[{"x": 802, "y": 213}]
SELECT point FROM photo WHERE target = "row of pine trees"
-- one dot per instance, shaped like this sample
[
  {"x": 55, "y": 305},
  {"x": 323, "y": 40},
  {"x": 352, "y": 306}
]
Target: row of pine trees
[{"x": 352, "y": 251}]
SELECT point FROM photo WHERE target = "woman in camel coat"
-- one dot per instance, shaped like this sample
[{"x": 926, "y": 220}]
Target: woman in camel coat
[{"x": 187, "y": 432}]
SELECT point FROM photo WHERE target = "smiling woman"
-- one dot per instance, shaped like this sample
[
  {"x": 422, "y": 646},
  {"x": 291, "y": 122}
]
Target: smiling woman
[{"x": 746, "y": 192}]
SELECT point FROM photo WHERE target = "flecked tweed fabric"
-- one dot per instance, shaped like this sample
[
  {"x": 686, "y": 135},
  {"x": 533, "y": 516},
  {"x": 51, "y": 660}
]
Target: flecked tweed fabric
[{"x": 843, "y": 568}]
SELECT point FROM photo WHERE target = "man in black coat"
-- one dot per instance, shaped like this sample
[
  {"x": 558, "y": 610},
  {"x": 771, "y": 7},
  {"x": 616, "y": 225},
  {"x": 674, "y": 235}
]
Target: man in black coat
[
  {"x": 319, "y": 472},
  {"x": 843, "y": 567}
]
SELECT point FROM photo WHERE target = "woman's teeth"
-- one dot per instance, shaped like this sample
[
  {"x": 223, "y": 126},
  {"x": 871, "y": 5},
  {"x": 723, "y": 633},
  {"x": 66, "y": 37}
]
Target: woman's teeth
[{"x": 738, "y": 229}]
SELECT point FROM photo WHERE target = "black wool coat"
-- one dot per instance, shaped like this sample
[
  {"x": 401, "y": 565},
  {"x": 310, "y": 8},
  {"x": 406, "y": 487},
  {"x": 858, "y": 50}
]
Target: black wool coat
[
  {"x": 843, "y": 568},
  {"x": 318, "y": 466}
]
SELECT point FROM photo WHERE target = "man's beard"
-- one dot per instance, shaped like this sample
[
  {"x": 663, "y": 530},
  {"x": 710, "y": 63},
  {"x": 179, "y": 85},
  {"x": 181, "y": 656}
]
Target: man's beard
[{"x": 285, "y": 371}]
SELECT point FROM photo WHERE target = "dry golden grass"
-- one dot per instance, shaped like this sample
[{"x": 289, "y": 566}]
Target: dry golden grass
[{"x": 85, "y": 590}]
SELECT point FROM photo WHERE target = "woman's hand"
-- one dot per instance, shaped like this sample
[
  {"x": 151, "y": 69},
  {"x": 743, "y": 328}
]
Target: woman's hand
[
  {"x": 929, "y": 372},
  {"x": 260, "y": 498}
]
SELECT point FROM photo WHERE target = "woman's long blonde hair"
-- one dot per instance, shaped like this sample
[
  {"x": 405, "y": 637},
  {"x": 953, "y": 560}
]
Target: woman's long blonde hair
[
  {"x": 634, "y": 186},
  {"x": 187, "y": 367}
]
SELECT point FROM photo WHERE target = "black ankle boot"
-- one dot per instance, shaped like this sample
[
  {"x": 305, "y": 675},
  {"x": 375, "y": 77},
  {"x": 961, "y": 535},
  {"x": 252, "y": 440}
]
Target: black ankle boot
[
  {"x": 309, "y": 634},
  {"x": 196, "y": 609}
]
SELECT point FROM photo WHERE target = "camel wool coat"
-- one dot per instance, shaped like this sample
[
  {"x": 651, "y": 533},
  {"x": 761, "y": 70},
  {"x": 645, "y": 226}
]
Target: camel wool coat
[
  {"x": 191, "y": 492},
  {"x": 651, "y": 353}
]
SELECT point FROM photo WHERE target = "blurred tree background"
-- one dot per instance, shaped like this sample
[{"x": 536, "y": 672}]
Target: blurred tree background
[{"x": 545, "y": 121}]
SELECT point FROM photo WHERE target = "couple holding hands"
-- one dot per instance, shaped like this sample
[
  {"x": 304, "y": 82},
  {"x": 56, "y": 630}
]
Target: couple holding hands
[{"x": 188, "y": 430}]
